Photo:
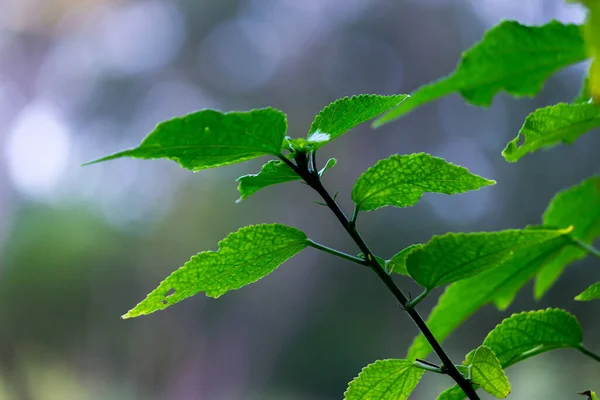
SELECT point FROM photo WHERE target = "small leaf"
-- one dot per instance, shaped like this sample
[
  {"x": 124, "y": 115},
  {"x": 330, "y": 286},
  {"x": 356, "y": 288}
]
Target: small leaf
[
  {"x": 585, "y": 94},
  {"x": 452, "y": 393},
  {"x": 385, "y": 380},
  {"x": 456, "y": 256},
  {"x": 487, "y": 372},
  {"x": 209, "y": 138},
  {"x": 397, "y": 263},
  {"x": 591, "y": 293},
  {"x": 551, "y": 125},
  {"x": 243, "y": 257},
  {"x": 346, "y": 113},
  {"x": 578, "y": 206},
  {"x": 510, "y": 57},
  {"x": 401, "y": 180},
  {"x": 272, "y": 173},
  {"x": 463, "y": 298},
  {"x": 530, "y": 333}
]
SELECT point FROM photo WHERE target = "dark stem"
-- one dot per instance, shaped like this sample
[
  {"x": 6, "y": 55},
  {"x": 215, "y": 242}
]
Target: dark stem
[{"x": 315, "y": 183}]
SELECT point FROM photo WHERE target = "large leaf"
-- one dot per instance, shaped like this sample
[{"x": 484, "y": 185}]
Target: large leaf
[
  {"x": 487, "y": 373},
  {"x": 243, "y": 257},
  {"x": 462, "y": 299},
  {"x": 272, "y": 173},
  {"x": 591, "y": 293},
  {"x": 456, "y": 256},
  {"x": 208, "y": 138},
  {"x": 578, "y": 206},
  {"x": 401, "y": 180},
  {"x": 551, "y": 125},
  {"x": 385, "y": 380},
  {"x": 346, "y": 113},
  {"x": 510, "y": 57},
  {"x": 525, "y": 335}
]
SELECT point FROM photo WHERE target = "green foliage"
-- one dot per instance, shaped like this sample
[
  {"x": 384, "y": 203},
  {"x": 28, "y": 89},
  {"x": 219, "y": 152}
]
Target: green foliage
[
  {"x": 551, "y": 125},
  {"x": 591, "y": 293},
  {"x": 385, "y": 380},
  {"x": 456, "y": 256},
  {"x": 346, "y": 113},
  {"x": 272, "y": 173},
  {"x": 525, "y": 335},
  {"x": 578, "y": 206},
  {"x": 590, "y": 395},
  {"x": 243, "y": 258},
  {"x": 462, "y": 299},
  {"x": 397, "y": 263},
  {"x": 510, "y": 57},
  {"x": 208, "y": 138},
  {"x": 400, "y": 181},
  {"x": 487, "y": 373}
]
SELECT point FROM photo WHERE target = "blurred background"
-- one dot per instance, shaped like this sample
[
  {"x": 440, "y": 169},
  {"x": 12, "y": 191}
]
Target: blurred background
[{"x": 81, "y": 246}]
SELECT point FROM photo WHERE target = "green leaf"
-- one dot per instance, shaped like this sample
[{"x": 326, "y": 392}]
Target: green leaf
[
  {"x": 208, "y": 138},
  {"x": 452, "y": 393},
  {"x": 462, "y": 299},
  {"x": 487, "y": 372},
  {"x": 401, "y": 180},
  {"x": 527, "y": 334},
  {"x": 243, "y": 257},
  {"x": 510, "y": 57},
  {"x": 346, "y": 113},
  {"x": 385, "y": 380},
  {"x": 272, "y": 173},
  {"x": 578, "y": 206},
  {"x": 591, "y": 293},
  {"x": 456, "y": 256},
  {"x": 551, "y": 125},
  {"x": 397, "y": 263}
]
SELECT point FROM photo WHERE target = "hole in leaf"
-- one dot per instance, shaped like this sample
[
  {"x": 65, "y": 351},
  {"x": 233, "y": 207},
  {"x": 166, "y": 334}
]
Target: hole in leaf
[
  {"x": 165, "y": 302},
  {"x": 171, "y": 292}
]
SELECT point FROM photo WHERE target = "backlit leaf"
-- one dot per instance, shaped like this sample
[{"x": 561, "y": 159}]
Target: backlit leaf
[
  {"x": 385, "y": 380},
  {"x": 243, "y": 257},
  {"x": 209, "y": 138},
  {"x": 578, "y": 206},
  {"x": 511, "y": 57},
  {"x": 346, "y": 113},
  {"x": 591, "y": 293},
  {"x": 455, "y": 256},
  {"x": 551, "y": 125},
  {"x": 397, "y": 263},
  {"x": 272, "y": 173},
  {"x": 401, "y": 180},
  {"x": 487, "y": 373},
  {"x": 462, "y": 299}
]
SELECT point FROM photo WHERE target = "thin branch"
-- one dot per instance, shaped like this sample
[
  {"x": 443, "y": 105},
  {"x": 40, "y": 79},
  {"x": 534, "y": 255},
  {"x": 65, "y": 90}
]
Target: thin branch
[
  {"x": 589, "y": 353},
  {"x": 451, "y": 370},
  {"x": 337, "y": 253},
  {"x": 589, "y": 248}
]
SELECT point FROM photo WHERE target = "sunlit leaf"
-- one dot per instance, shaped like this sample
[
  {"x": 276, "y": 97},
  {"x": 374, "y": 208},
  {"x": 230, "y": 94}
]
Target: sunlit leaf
[
  {"x": 455, "y": 256},
  {"x": 385, "y": 380},
  {"x": 591, "y": 293},
  {"x": 463, "y": 298},
  {"x": 272, "y": 173},
  {"x": 243, "y": 257},
  {"x": 209, "y": 138},
  {"x": 346, "y": 113},
  {"x": 511, "y": 57},
  {"x": 577, "y": 206},
  {"x": 487, "y": 373},
  {"x": 401, "y": 180},
  {"x": 551, "y": 125}
]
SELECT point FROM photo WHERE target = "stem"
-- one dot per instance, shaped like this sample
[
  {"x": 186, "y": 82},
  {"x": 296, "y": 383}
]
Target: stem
[
  {"x": 589, "y": 353},
  {"x": 315, "y": 183},
  {"x": 413, "y": 303},
  {"x": 337, "y": 253},
  {"x": 590, "y": 249}
]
